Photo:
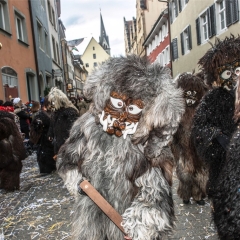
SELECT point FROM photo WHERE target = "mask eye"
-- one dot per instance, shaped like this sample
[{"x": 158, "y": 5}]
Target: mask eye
[
  {"x": 226, "y": 74},
  {"x": 188, "y": 93},
  {"x": 194, "y": 93},
  {"x": 237, "y": 71},
  {"x": 117, "y": 103},
  {"x": 133, "y": 109}
]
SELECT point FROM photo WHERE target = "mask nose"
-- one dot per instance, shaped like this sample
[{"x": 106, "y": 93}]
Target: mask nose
[{"x": 123, "y": 117}]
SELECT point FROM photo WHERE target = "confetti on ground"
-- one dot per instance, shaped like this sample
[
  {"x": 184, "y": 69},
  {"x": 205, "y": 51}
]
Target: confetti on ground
[{"x": 43, "y": 208}]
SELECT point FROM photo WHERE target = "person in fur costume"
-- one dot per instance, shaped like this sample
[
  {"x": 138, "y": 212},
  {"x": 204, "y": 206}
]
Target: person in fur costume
[
  {"x": 213, "y": 122},
  {"x": 38, "y": 135},
  {"x": 190, "y": 171},
  {"x": 62, "y": 119},
  {"x": 121, "y": 145},
  {"x": 12, "y": 152},
  {"x": 226, "y": 201}
]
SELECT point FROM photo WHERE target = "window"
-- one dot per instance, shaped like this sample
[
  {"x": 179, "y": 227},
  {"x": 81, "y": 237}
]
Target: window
[
  {"x": 93, "y": 48},
  {"x": 174, "y": 49},
  {"x": 40, "y": 35},
  {"x": 57, "y": 49},
  {"x": 173, "y": 10},
  {"x": 20, "y": 26},
  {"x": 227, "y": 13},
  {"x": 9, "y": 77},
  {"x": 87, "y": 65},
  {"x": 4, "y": 16},
  {"x": 53, "y": 18},
  {"x": 222, "y": 15},
  {"x": 94, "y": 56},
  {"x": 186, "y": 40},
  {"x": 206, "y": 25},
  {"x": 49, "y": 12},
  {"x": 46, "y": 44},
  {"x": 94, "y": 64},
  {"x": 54, "y": 49},
  {"x": 42, "y": 3},
  {"x": 182, "y": 4},
  {"x": 2, "y": 21}
]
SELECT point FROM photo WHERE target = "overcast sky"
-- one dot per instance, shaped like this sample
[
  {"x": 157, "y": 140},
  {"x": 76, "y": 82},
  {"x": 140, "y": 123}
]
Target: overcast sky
[{"x": 82, "y": 19}]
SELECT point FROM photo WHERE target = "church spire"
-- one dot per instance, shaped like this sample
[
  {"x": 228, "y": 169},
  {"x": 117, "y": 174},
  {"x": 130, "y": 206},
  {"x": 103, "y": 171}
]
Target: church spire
[{"x": 103, "y": 39}]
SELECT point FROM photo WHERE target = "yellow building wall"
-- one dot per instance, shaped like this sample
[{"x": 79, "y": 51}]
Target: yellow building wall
[
  {"x": 188, "y": 16},
  {"x": 93, "y": 48}
]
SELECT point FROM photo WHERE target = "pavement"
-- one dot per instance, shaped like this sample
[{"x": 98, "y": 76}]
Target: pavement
[{"x": 42, "y": 210}]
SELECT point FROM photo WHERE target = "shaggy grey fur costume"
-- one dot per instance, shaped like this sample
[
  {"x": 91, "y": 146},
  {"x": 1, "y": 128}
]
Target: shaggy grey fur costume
[
  {"x": 190, "y": 170},
  {"x": 132, "y": 174}
]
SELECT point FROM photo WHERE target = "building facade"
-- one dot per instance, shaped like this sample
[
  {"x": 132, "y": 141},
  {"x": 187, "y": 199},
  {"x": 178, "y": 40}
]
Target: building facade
[
  {"x": 54, "y": 12},
  {"x": 42, "y": 36},
  {"x": 18, "y": 72},
  {"x": 157, "y": 42},
  {"x": 93, "y": 54},
  {"x": 147, "y": 13},
  {"x": 194, "y": 24}
]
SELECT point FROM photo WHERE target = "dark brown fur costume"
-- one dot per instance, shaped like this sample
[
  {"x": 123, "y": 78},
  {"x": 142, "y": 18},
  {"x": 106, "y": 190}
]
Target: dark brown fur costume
[
  {"x": 12, "y": 151},
  {"x": 190, "y": 171}
]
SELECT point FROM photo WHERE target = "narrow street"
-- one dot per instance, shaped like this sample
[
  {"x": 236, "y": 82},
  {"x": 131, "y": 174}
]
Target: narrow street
[{"x": 42, "y": 210}]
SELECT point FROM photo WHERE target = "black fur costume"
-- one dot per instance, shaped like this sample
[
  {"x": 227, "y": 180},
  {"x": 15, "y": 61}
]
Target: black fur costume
[
  {"x": 189, "y": 168},
  {"x": 213, "y": 128},
  {"x": 226, "y": 199},
  {"x": 213, "y": 123},
  {"x": 40, "y": 125},
  {"x": 12, "y": 152},
  {"x": 122, "y": 146}
]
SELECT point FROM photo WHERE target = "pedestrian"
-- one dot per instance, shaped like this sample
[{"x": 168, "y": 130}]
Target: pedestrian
[
  {"x": 62, "y": 119},
  {"x": 35, "y": 108},
  {"x": 190, "y": 169},
  {"x": 39, "y": 130},
  {"x": 21, "y": 111},
  {"x": 12, "y": 152},
  {"x": 213, "y": 123},
  {"x": 121, "y": 145}
]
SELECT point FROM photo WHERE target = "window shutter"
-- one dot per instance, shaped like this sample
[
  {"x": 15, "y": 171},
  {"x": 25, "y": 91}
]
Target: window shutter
[
  {"x": 235, "y": 12},
  {"x": 198, "y": 31},
  {"x": 228, "y": 13},
  {"x": 180, "y": 5},
  {"x": 209, "y": 23},
  {"x": 190, "y": 37},
  {"x": 174, "y": 49},
  {"x": 170, "y": 12},
  {"x": 212, "y": 21},
  {"x": 182, "y": 43},
  {"x": 176, "y": 8}
]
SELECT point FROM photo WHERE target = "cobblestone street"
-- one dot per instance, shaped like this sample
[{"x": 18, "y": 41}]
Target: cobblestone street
[{"x": 42, "y": 210}]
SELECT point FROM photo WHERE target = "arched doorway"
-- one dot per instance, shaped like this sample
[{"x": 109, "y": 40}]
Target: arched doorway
[{"x": 10, "y": 83}]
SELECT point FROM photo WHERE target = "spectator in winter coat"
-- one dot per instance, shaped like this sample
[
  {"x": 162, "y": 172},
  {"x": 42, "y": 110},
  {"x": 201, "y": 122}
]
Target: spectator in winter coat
[
  {"x": 23, "y": 115},
  {"x": 63, "y": 117}
]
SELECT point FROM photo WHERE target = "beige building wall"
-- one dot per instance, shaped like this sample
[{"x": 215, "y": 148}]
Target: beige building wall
[
  {"x": 88, "y": 56},
  {"x": 188, "y": 16},
  {"x": 146, "y": 18}
]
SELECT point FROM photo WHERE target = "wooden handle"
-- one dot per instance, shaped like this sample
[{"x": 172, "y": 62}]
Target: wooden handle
[{"x": 114, "y": 216}]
